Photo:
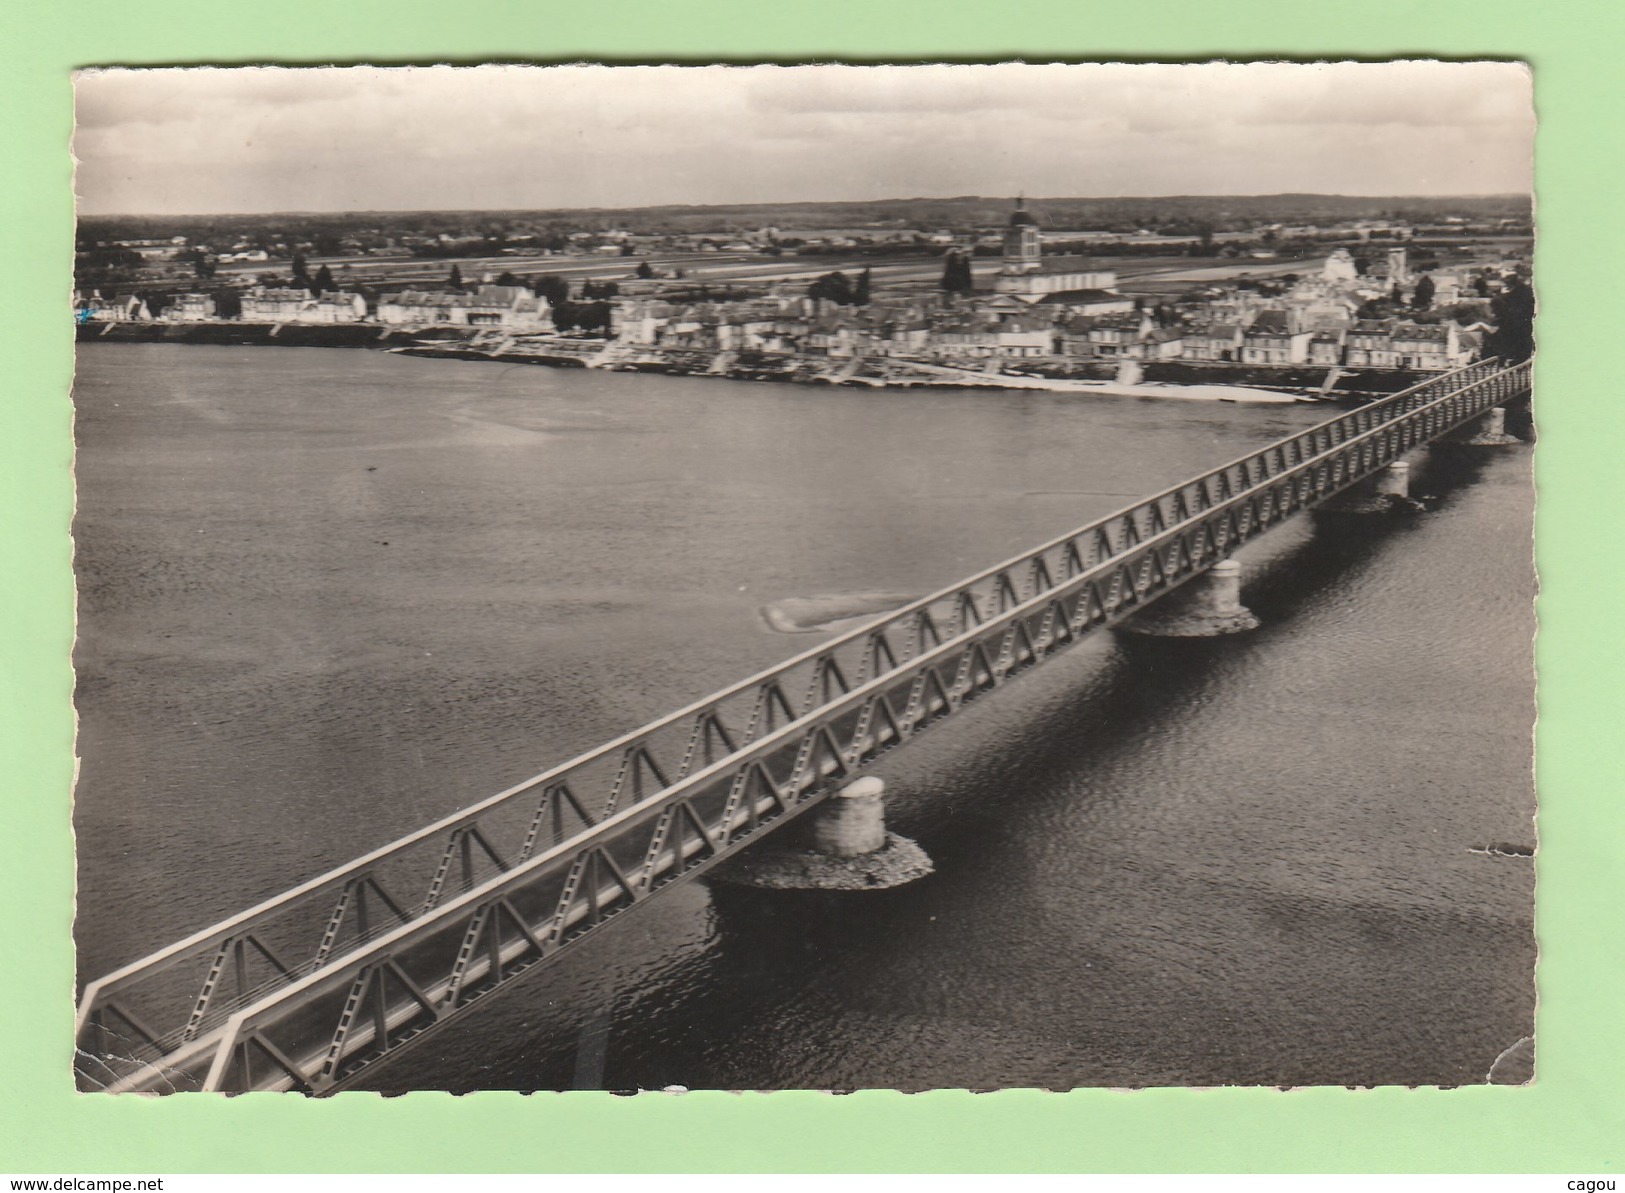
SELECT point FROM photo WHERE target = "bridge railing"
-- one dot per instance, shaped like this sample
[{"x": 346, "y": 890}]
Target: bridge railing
[{"x": 462, "y": 906}]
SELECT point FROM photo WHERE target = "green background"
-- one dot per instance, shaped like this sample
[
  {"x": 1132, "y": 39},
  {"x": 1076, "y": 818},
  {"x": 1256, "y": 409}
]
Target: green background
[{"x": 1571, "y": 1121}]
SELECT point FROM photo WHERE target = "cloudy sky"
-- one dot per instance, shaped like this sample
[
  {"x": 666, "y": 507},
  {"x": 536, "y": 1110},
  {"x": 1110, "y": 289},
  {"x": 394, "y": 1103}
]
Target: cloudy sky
[{"x": 243, "y": 140}]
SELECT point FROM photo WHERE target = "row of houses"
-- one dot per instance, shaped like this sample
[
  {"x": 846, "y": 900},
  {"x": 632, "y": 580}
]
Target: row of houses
[
  {"x": 511, "y": 307},
  {"x": 1271, "y": 337},
  {"x": 913, "y": 328},
  {"x": 781, "y": 325}
]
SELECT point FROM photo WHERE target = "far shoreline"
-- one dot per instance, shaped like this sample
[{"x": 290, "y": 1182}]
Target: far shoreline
[{"x": 1161, "y": 380}]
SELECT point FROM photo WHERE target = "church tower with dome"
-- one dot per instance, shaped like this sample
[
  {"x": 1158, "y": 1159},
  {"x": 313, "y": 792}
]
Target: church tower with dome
[
  {"x": 1027, "y": 275},
  {"x": 1023, "y": 246}
]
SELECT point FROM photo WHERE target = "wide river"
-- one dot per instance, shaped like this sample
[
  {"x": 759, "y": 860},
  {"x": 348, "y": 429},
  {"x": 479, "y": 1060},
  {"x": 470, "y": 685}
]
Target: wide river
[{"x": 329, "y": 596}]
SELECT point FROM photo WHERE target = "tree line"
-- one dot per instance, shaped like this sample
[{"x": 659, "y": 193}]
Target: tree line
[{"x": 841, "y": 290}]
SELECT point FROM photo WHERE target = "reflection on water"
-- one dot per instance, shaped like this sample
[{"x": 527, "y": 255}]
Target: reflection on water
[{"x": 328, "y": 596}]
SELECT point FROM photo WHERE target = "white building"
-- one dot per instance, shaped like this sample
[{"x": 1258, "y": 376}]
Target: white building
[
  {"x": 121, "y": 308},
  {"x": 270, "y": 304},
  {"x": 335, "y": 306},
  {"x": 190, "y": 308},
  {"x": 1340, "y": 267},
  {"x": 510, "y": 307},
  {"x": 274, "y": 304}
]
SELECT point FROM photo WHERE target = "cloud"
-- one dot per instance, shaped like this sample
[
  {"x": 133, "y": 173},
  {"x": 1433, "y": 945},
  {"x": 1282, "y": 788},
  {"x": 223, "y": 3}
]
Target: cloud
[{"x": 272, "y": 139}]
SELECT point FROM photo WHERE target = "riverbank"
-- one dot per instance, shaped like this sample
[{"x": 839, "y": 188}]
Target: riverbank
[{"x": 1224, "y": 381}]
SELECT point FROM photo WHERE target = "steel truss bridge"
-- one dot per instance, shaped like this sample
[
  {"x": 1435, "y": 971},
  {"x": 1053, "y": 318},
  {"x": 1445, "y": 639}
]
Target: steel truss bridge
[{"x": 308, "y": 989}]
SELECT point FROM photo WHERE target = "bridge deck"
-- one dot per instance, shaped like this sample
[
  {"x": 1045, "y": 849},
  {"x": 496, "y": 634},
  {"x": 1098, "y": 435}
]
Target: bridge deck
[{"x": 308, "y": 988}]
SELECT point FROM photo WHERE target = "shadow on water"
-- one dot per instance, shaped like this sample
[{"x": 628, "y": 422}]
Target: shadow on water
[
  {"x": 1280, "y": 582},
  {"x": 778, "y": 953}
]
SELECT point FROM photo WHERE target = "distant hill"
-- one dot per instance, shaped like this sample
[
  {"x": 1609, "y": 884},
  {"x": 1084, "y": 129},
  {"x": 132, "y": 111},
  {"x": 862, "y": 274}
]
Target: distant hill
[
  {"x": 1171, "y": 213},
  {"x": 1102, "y": 213}
]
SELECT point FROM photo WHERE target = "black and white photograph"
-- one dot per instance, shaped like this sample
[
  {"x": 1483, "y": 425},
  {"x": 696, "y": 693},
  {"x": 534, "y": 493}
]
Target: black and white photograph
[{"x": 526, "y": 516}]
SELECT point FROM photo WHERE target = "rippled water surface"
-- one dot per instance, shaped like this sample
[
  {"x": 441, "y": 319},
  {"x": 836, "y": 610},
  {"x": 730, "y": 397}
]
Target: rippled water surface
[{"x": 328, "y": 596}]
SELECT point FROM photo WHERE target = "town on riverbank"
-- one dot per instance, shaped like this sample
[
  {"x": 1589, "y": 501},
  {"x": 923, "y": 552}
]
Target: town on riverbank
[{"x": 1268, "y": 310}]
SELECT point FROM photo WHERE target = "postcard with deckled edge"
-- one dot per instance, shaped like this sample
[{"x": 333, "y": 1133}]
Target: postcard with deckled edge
[{"x": 525, "y": 516}]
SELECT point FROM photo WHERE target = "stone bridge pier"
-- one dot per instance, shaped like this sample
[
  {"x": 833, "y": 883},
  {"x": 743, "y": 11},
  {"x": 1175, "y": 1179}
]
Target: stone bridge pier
[
  {"x": 1491, "y": 431},
  {"x": 845, "y": 847},
  {"x": 1388, "y": 490},
  {"x": 1206, "y": 607}
]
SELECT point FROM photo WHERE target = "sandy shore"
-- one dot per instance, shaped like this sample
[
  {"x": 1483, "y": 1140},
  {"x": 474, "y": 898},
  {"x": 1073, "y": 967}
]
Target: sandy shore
[
  {"x": 1200, "y": 392},
  {"x": 832, "y": 612}
]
